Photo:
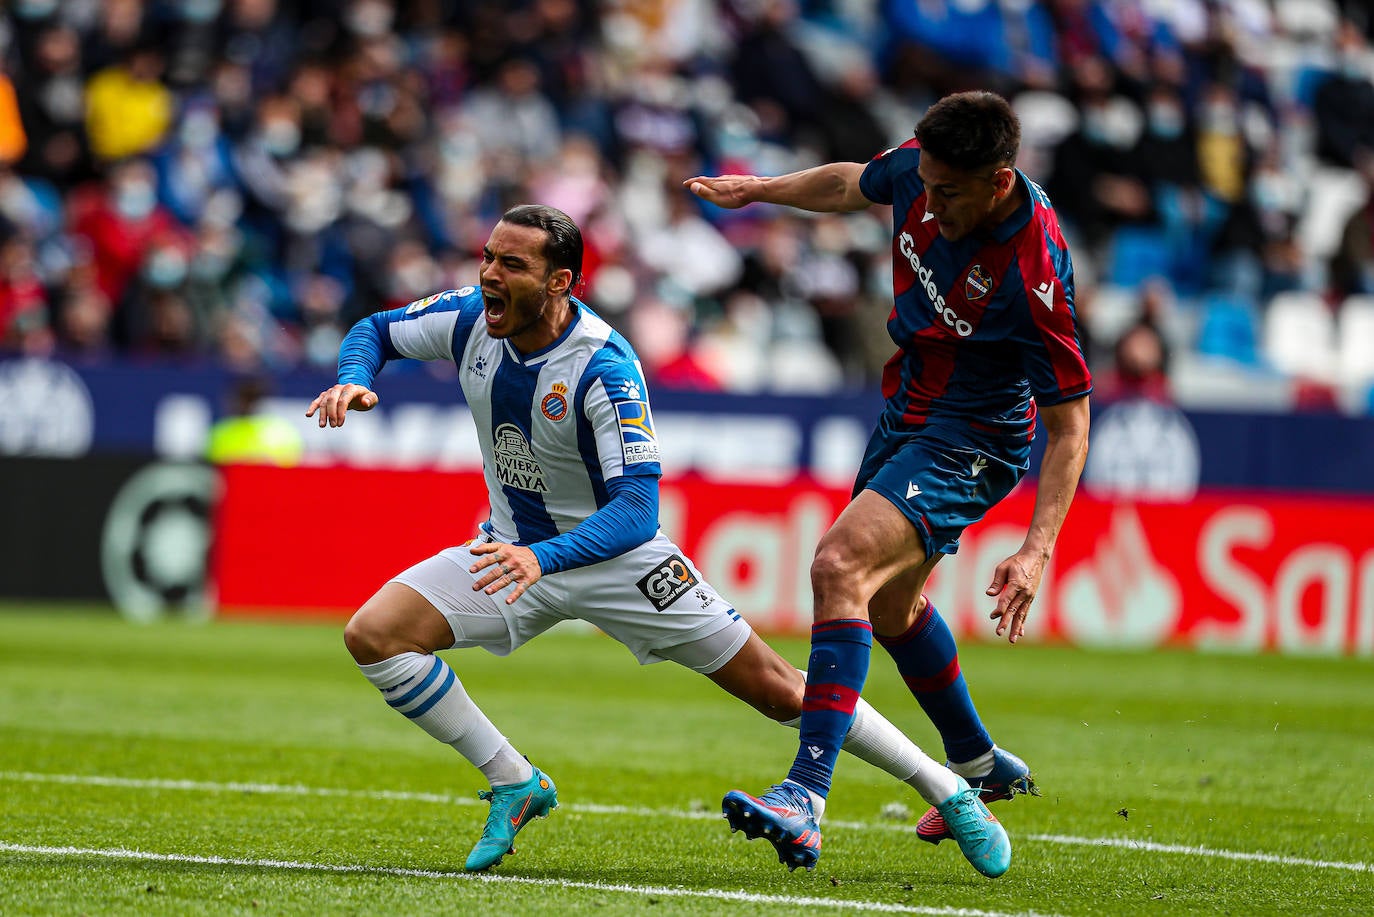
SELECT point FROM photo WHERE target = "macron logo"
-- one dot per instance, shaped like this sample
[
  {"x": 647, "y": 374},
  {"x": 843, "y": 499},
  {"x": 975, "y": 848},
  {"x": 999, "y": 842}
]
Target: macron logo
[
  {"x": 1045, "y": 292},
  {"x": 912, "y": 490},
  {"x": 816, "y": 751},
  {"x": 928, "y": 217},
  {"x": 979, "y": 464}
]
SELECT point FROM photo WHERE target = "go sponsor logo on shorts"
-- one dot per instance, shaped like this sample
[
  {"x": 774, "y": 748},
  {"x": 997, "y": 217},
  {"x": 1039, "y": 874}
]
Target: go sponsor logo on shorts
[{"x": 667, "y": 582}]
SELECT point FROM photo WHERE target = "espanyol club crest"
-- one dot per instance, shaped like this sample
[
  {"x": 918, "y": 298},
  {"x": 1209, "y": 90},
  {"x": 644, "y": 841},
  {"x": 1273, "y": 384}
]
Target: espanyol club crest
[
  {"x": 977, "y": 284},
  {"x": 555, "y": 404}
]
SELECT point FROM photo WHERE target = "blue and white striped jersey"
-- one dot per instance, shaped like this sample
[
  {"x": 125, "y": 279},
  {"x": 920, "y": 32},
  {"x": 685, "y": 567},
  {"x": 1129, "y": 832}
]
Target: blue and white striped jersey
[{"x": 555, "y": 427}]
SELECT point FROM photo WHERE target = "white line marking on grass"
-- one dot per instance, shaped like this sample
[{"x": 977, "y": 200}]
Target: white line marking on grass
[
  {"x": 660, "y": 891},
  {"x": 595, "y": 809},
  {"x": 1152, "y": 847}
]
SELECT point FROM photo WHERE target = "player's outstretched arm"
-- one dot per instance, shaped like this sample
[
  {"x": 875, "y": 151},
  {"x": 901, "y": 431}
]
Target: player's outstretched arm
[
  {"x": 830, "y": 188},
  {"x": 337, "y": 400},
  {"x": 1017, "y": 579}
]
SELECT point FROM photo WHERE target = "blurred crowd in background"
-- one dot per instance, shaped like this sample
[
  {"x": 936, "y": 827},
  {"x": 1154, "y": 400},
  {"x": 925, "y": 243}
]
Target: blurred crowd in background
[{"x": 241, "y": 180}]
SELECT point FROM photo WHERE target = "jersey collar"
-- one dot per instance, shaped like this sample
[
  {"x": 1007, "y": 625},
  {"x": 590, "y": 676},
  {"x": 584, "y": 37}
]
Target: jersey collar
[{"x": 543, "y": 353}]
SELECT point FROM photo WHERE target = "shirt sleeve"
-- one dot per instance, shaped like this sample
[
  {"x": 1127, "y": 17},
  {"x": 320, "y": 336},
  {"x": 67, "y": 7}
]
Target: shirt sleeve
[
  {"x": 879, "y": 179},
  {"x": 1051, "y": 352},
  {"x": 628, "y": 519},
  {"x": 424, "y": 330},
  {"x": 616, "y": 405}
]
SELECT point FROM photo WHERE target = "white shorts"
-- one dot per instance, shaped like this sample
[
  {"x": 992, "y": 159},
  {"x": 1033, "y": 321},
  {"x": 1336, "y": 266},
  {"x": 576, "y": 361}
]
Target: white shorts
[{"x": 651, "y": 598}]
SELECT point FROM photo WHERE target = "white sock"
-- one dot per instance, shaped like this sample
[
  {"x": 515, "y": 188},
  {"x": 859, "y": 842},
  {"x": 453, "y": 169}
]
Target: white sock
[
  {"x": 875, "y": 740},
  {"x": 933, "y": 781},
  {"x": 980, "y": 766},
  {"x": 423, "y": 688},
  {"x": 508, "y": 766},
  {"x": 817, "y": 800}
]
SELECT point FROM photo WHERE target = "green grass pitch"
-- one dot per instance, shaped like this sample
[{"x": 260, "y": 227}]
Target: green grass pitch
[{"x": 226, "y": 767}]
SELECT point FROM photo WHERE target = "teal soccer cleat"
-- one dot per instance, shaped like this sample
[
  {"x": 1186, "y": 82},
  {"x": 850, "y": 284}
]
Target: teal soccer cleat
[
  {"x": 1008, "y": 777},
  {"x": 784, "y": 816},
  {"x": 512, "y": 807},
  {"x": 981, "y": 838}
]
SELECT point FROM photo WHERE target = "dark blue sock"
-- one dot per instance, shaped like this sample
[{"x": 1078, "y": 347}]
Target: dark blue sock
[
  {"x": 929, "y": 663},
  {"x": 834, "y": 677}
]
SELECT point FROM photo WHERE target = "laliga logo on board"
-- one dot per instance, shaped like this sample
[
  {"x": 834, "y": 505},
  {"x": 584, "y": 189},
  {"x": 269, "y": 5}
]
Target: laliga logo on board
[{"x": 555, "y": 403}]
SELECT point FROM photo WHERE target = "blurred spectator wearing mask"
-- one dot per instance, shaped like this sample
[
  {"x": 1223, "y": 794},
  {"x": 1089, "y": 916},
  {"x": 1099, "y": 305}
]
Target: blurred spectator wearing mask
[
  {"x": 1344, "y": 102},
  {"x": 1352, "y": 265},
  {"x": 1223, "y": 152},
  {"x": 24, "y": 325},
  {"x": 195, "y": 163},
  {"x": 1168, "y": 153},
  {"x": 257, "y": 36},
  {"x": 128, "y": 109},
  {"x": 83, "y": 312},
  {"x": 1097, "y": 177},
  {"x": 1141, "y": 354},
  {"x": 1256, "y": 253},
  {"x": 124, "y": 226},
  {"x": 52, "y": 93}
]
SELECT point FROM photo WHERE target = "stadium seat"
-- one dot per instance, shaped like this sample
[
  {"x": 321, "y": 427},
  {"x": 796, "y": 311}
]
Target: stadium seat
[
  {"x": 1108, "y": 311},
  {"x": 1305, "y": 81},
  {"x": 1333, "y": 195},
  {"x": 1228, "y": 330},
  {"x": 1314, "y": 20},
  {"x": 1355, "y": 340},
  {"x": 1300, "y": 336},
  {"x": 1136, "y": 254},
  {"x": 1211, "y": 384},
  {"x": 1046, "y": 117}
]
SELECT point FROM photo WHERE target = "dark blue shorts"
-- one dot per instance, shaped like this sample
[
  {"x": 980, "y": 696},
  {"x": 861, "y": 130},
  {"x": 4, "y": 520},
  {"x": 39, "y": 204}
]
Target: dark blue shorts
[{"x": 942, "y": 477}]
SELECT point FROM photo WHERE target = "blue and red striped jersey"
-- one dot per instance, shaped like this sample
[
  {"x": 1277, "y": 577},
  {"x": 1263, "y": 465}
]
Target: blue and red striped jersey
[{"x": 985, "y": 325}]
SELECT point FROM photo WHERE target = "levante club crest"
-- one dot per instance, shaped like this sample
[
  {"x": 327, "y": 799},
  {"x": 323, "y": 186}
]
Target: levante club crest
[{"x": 977, "y": 284}]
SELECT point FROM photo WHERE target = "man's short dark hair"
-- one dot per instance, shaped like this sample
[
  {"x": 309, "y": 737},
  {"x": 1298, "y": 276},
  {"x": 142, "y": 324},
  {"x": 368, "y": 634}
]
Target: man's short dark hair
[
  {"x": 971, "y": 131},
  {"x": 562, "y": 238}
]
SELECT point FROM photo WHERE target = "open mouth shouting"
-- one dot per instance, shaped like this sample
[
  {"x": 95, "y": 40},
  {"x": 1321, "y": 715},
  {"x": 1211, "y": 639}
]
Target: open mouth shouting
[{"x": 494, "y": 306}]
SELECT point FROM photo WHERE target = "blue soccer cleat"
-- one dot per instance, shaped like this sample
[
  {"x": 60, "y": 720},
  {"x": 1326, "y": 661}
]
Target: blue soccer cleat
[
  {"x": 512, "y": 807},
  {"x": 981, "y": 838},
  {"x": 1009, "y": 776},
  {"x": 784, "y": 816}
]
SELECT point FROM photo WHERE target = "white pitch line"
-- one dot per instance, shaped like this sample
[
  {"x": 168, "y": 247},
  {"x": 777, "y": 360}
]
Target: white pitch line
[
  {"x": 1152, "y": 847},
  {"x": 656, "y": 890},
  {"x": 644, "y": 811}
]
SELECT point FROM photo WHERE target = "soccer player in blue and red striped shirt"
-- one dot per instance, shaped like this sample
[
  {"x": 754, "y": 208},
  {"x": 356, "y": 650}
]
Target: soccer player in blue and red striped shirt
[{"x": 987, "y": 335}]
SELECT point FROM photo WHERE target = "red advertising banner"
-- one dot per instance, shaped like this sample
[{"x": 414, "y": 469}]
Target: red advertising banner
[{"x": 1241, "y": 572}]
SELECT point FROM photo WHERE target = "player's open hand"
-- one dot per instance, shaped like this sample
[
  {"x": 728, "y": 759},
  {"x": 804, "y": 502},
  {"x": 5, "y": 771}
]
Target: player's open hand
[
  {"x": 1015, "y": 583},
  {"x": 338, "y": 400},
  {"x": 506, "y": 565},
  {"x": 728, "y": 191}
]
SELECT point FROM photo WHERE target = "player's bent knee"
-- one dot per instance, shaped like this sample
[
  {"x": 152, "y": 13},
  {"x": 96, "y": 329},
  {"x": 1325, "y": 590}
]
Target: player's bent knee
[
  {"x": 835, "y": 568},
  {"x": 367, "y": 641}
]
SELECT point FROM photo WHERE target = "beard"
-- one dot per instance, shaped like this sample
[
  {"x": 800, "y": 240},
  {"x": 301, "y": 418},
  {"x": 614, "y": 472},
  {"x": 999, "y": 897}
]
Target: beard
[{"x": 531, "y": 317}]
